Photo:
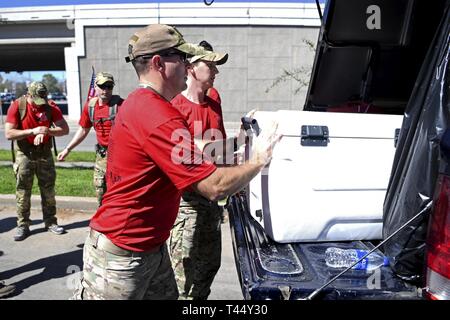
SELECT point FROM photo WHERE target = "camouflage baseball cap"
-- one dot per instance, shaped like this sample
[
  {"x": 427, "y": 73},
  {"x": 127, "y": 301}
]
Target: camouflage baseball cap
[
  {"x": 157, "y": 38},
  {"x": 103, "y": 77},
  {"x": 38, "y": 92},
  {"x": 212, "y": 56}
]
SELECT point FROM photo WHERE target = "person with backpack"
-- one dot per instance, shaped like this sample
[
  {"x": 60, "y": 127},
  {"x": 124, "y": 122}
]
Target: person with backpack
[
  {"x": 195, "y": 239},
  {"x": 211, "y": 92},
  {"x": 151, "y": 160},
  {"x": 98, "y": 112},
  {"x": 31, "y": 121}
]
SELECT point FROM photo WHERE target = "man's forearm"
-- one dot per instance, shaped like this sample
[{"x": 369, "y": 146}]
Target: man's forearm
[
  {"x": 79, "y": 136},
  {"x": 18, "y": 134},
  {"x": 227, "y": 180},
  {"x": 219, "y": 150},
  {"x": 237, "y": 177},
  {"x": 57, "y": 131}
]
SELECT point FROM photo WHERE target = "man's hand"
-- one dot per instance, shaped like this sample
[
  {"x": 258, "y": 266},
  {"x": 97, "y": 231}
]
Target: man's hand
[
  {"x": 38, "y": 139},
  {"x": 63, "y": 154},
  {"x": 263, "y": 144},
  {"x": 39, "y": 130},
  {"x": 242, "y": 134}
]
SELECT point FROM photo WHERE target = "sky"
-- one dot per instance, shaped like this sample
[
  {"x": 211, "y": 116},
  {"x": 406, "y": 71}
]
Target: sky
[
  {"x": 30, "y": 3},
  {"x": 60, "y": 75},
  {"x": 32, "y": 75}
]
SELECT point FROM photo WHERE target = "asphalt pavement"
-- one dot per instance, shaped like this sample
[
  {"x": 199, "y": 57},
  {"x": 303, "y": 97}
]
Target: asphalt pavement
[{"x": 46, "y": 266}]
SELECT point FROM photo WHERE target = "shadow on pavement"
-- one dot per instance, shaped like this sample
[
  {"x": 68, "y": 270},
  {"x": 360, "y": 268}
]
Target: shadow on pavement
[
  {"x": 54, "y": 267},
  {"x": 74, "y": 225},
  {"x": 10, "y": 223}
]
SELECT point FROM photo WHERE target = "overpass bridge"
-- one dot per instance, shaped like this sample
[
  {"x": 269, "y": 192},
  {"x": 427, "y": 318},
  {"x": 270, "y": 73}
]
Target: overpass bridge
[{"x": 262, "y": 38}]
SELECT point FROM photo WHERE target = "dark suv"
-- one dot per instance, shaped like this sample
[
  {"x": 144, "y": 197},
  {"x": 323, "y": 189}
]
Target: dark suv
[{"x": 397, "y": 65}]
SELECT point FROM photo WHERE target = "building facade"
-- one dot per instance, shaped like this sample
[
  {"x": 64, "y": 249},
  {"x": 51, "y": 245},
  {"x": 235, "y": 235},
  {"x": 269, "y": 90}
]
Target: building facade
[{"x": 265, "y": 40}]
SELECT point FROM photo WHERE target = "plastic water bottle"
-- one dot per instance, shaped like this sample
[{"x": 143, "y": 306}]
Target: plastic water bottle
[{"x": 344, "y": 258}]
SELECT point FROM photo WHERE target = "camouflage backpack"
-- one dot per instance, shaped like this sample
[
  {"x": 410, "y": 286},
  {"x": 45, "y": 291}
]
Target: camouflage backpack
[
  {"x": 113, "y": 105},
  {"x": 23, "y": 144}
]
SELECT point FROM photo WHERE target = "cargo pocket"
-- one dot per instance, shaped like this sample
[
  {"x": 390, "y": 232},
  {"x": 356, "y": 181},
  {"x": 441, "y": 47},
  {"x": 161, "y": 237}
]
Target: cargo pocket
[
  {"x": 176, "y": 236},
  {"x": 15, "y": 169}
]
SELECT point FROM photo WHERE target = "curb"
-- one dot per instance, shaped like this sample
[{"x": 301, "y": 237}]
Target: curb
[{"x": 83, "y": 204}]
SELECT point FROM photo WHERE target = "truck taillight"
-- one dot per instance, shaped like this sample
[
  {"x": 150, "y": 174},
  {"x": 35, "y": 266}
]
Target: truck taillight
[{"x": 438, "y": 244}]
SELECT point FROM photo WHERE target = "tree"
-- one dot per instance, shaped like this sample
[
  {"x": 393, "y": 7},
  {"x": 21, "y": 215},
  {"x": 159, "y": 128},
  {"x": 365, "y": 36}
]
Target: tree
[
  {"x": 5, "y": 85},
  {"x": 51, "y": 83},
  {"x": 21, "y": 89},
  {"x": 300, "y": 75}
]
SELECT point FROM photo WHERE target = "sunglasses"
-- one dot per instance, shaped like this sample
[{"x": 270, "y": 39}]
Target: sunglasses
[
  {"x": 106, "y": 86},
  {"x": 183, "y": 56}
]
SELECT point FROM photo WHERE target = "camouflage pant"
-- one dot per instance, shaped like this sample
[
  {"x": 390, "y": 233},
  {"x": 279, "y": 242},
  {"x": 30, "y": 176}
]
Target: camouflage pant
[
  {"x": 99, "y": 176},
  {"x": 25, "y": 167},
  {"x": 195, "y": 246},
  {"x": 142, "y": 276}
]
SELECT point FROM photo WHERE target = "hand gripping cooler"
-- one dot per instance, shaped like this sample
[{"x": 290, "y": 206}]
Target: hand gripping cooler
[{"x": 328, "y": 176}]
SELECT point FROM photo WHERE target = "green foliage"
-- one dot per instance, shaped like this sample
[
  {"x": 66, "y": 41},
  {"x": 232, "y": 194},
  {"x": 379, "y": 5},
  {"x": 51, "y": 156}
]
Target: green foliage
[
  {"x": 69, "y": 182},
  {"x": 76, "y": 156},
  {"x": 5, "y": 85},
  {"x": 51, "y": 83},
  {"x": 21, "y": 89},
  {"x": 300, "y": 75},
  {"x": 81, "y": 156}
]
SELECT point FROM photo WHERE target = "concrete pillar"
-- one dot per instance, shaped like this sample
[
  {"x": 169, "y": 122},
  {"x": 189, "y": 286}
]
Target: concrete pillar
[{"x": 73, "y": 83}]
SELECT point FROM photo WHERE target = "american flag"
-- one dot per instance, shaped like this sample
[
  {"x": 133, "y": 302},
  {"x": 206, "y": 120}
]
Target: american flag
[{"x": 91, "y": 92}]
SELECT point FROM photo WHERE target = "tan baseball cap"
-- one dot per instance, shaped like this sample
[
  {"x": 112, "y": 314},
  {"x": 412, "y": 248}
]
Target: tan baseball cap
[
  {"x": 38, "y": 92},
  {"x": 103, "y": 77},
  {"x": 212, "y": 56},
  {"x": 156, "y": 38}
]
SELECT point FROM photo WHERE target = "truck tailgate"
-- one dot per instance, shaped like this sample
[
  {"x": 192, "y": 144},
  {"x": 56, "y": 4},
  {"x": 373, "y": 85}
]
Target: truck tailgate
[{"x": 270, "y": 270}]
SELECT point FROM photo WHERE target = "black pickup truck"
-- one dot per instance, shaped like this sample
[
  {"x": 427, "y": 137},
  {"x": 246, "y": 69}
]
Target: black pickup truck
[{"x": 405, "y": 70}]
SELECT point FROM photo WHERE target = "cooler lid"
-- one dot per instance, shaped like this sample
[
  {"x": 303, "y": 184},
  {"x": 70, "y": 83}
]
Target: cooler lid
[{"x": 369, "y": 52}]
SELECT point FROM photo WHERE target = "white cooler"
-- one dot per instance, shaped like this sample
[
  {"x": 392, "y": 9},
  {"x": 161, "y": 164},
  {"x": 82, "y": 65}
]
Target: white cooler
[{"x": 328, "y": 185}]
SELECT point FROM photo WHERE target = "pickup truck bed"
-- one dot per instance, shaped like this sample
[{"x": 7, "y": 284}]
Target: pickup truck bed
[{"x": 272, "y": 271}]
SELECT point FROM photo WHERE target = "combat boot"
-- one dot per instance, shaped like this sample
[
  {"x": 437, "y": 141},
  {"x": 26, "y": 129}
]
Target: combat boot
[
  {"x": 22, "y": 232},
  {"x": 56, "y": 229},
  {"x": 6, "y": 290}
]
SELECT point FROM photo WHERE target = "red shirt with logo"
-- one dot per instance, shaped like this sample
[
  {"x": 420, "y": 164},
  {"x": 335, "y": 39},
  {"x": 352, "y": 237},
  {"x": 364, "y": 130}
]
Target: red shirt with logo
[
  {"x": 205, "y": 120},
  {"x": 102, "y": 128},
  {"x": 145, "y": 175},
  {"x": 35, "y": 116}
]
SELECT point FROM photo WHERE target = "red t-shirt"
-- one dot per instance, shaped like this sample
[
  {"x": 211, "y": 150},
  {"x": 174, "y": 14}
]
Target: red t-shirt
[
  {"x": 35, "y": 116},
  {"x": 144, "y": 184},
  {"x": 214, "y": 94},
  {"x": 203, "y": 119},
  {"x": 102, "y": 128}
]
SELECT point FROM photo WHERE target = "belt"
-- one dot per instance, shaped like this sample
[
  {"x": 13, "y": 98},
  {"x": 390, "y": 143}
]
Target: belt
[
  {"x": 101, "y": 150},
  {"x": 100, "y": 241},
  {"x": 193, "y": 196}
]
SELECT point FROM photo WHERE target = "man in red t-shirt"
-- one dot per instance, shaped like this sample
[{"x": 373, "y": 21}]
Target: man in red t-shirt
[
  {"x": 211, "y": 92},
  {"x": 29, "y": 122},
  {"x": 99, "y": 112},
  {"x": 151, "y": 160},
  {"x": 195, "y": 240}
]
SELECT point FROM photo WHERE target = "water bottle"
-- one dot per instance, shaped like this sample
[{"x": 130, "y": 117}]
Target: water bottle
[{"x": 344, "y": 258}]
